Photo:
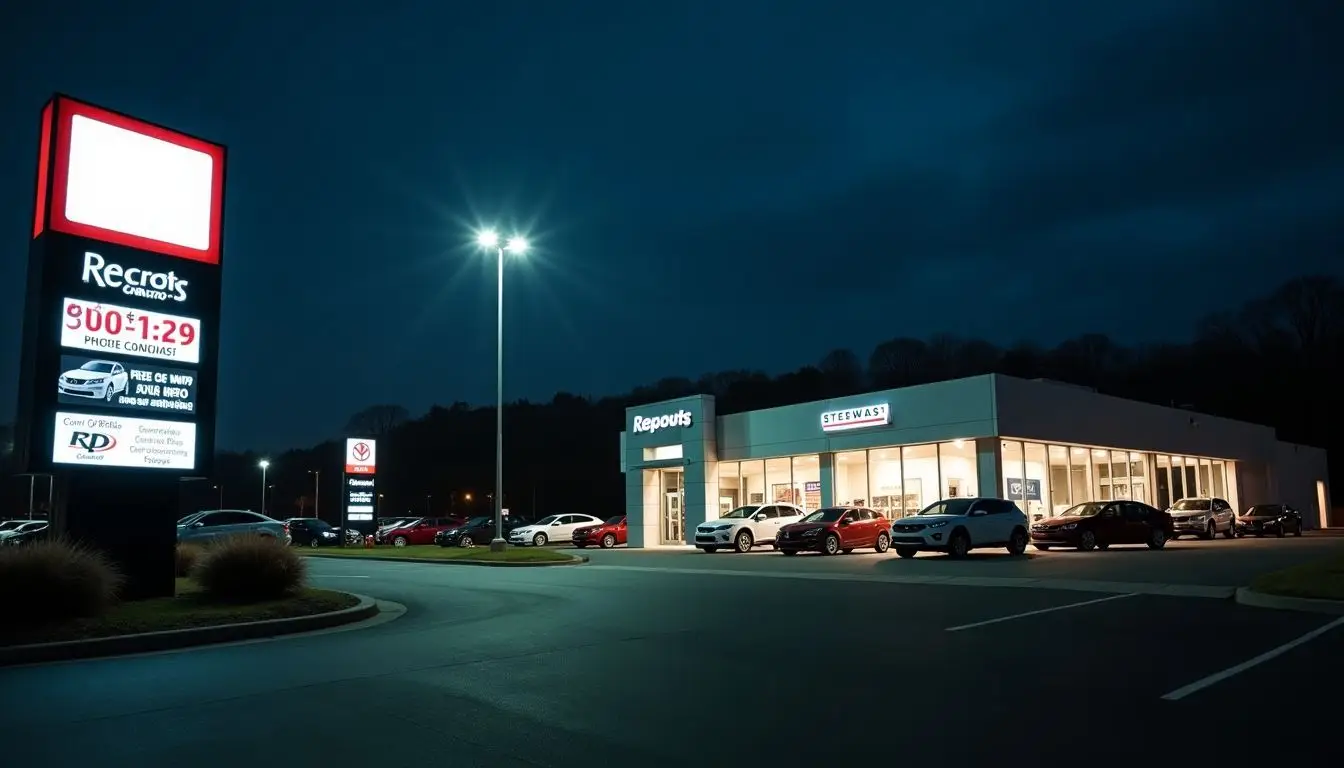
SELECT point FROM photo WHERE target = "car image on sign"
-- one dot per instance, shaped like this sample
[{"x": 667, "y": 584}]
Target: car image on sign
[{"x": 98, "y": 379}]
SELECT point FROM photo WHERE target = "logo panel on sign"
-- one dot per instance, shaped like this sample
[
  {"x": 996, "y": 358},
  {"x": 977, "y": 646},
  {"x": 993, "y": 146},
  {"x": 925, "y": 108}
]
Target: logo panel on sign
[{"x": 360, "y": 456}]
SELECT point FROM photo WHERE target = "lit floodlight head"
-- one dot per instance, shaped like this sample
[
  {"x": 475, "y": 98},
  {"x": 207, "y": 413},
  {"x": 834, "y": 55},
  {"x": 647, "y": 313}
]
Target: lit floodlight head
[
  {"x": 487, "y": 238},
  {"x": 517, "y": 244},
  {"x": 263, "y": 463}
]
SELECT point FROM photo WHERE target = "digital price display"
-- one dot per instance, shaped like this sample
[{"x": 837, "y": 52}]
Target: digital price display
[{"x": 122, "y": 330}]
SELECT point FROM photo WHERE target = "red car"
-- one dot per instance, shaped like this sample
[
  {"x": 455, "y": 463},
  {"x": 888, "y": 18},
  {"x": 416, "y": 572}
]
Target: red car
[
  {"x": 421, "y": 531},
  {"x": 835, "y": 529},
  {"x": 606, "y": 535}
]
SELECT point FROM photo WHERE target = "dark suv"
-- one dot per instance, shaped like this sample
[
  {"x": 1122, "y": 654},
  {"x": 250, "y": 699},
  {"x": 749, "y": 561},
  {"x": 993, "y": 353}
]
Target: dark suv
[
  {"x": 312, "y": 532},
  {"x": 477, "y": 530}
]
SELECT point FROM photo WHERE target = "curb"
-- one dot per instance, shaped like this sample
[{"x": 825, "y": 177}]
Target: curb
[
  {"x": 1248, "y": 596},
  {"x": 173, "y": 639},
  {"x": 573, "y": 560}
]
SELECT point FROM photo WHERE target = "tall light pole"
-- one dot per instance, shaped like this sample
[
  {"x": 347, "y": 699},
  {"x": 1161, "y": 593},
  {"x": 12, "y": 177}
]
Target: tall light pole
[
  {"x": 220, "y": 488},
  {"x": 489, "y": 240},
  {"x": 317, "y": 492},
  {"x": 263, "y": 464}
]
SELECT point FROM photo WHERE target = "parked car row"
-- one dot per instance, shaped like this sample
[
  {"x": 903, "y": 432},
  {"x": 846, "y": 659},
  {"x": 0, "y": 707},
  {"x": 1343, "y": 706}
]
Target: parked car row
[{"x": 19, "y": 532}]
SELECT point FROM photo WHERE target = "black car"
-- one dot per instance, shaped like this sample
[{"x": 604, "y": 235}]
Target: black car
[
  {"x": 1276, "y": 519},
  {"x": 477, "y": 530},
  {"x": 27, "y": 536},
  {"x": 312, "y": 532}
]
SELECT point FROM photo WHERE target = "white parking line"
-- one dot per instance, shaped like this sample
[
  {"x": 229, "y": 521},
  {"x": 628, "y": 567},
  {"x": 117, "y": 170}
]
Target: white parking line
[
  {"x": 1218, "y": 677},
  {"x": 1039, "y": 612}
]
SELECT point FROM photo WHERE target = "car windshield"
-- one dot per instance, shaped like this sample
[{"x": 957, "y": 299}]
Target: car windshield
[
  {"x": 615, "y": 520},
  {"x": 825, "y": 515},
  {"x": 478, "y": 521},
  {"x": 1190, "y": 505},
  {"x": 189, "y": 519},
  {"x": 10, "y": 525},
  {"x": 740, "y": 512},
  {"x": 547, "y": 520},
  {"x": 31, "y": 526},
  {"x": 948, "y": 507},
  {"x": 1086, "y": 509},
  {"x": 97, "y": 366}
]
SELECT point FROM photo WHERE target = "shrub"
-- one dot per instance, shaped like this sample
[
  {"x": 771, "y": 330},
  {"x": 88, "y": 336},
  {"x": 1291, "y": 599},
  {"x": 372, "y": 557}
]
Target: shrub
[
  {"x": 187, "y": 555},
  {"x": 54, "y": 580},
  {"x": 248, "y": 569}
]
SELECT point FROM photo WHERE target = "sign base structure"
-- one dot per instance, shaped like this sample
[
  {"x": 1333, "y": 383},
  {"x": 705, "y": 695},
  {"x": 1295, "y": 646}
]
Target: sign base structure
[{"x": 132, "y": 520}]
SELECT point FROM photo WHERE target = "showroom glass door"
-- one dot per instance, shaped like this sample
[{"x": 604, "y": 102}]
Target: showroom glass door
[{"x": 672, "y": 523}]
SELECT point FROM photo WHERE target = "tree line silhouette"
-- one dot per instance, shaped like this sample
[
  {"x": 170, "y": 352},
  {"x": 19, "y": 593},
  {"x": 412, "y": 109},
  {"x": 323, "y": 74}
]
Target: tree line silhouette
[{"x": 1272, "y": 361}]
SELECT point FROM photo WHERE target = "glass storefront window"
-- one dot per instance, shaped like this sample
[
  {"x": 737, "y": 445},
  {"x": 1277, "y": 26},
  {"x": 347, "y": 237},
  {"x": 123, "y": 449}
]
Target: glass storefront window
[
  {"x": 1189, "y": 468},
  {"x": 1059, "y": 479},
  {"x": 753, "y": 482},
  {"x": 884, "y": 478},
  {"x": 807, "y": 481},
  {"x": 1014, "y": 479},
  {"x": 1138, "y": 477},
  {"x": 1080, "y": 475},
  {"x": 851, "y": 478},
  {"x": 1163, "y": 481},
  {"x": 730, "y": 487},
  {"x": 1205, "y": 482},
  {"x": 779, "y": 482},
  {"x": 1177, "y": 479},
  {"x": 1218, "y": 471},
  {"x": 919, "y": 468},
  {"x": 1037, "y": 489},
  {"x": 1120, "y": 475},
  {"x": 956, "y": 468}
]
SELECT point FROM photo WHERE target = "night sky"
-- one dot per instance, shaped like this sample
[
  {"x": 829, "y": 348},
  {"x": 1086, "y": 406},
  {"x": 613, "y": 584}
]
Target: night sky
[{"x": 712, "y": 185}]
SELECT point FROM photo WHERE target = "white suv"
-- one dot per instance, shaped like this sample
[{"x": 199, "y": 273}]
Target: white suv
[
  {"x": 956, "y": 526},
  {"x": 745, "y": 527}
]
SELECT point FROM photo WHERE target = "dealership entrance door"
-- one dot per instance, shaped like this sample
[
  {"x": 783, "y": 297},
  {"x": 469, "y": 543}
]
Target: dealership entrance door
[{"x": 672, "y": 517}]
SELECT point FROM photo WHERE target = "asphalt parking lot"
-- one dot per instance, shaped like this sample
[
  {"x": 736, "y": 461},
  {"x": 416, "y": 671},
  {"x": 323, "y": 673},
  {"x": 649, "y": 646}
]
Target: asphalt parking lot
[{"x": 670, "y": 666}]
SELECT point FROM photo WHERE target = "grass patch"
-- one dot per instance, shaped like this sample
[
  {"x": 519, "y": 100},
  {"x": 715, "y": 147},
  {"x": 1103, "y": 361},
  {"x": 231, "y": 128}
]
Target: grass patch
[
  {"x": 433, "y": 552},
  {"x": 188, "y": 609},
  {"x": 1322, "y": 580}
]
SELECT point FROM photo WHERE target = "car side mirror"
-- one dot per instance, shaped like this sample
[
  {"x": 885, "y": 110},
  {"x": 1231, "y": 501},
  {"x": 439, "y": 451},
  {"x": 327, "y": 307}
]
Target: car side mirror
[
  {"x": 198, "y": 525},
  {"x": 557, "y": 522},
  {"x": 758, "y": 517},
  {"x": 977, "y": 513},
  {"x": 846, "y": 521}
]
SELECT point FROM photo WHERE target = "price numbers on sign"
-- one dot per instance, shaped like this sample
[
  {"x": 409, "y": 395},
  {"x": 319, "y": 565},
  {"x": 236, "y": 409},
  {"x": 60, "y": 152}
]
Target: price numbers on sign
[{"x": 122, "y": 330}]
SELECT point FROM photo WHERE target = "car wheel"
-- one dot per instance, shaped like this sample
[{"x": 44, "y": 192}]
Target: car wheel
[
  {"x": 1297, "y": 530},
  {"x": 109, "y": 393},
  {"x": 959, "y": 544},
  {"x": 744, "y": 541},
  {"x": 907, "y": 552},
  {"x": 314, "y": 543},
  {"x": 1157, "y": 538},
  {"x": 1212, "y": 532},
  {"x": 883, "y": 543},
  {"x": 400, "y": 541},
  {"x": 1088, "y": 541},
  {"x": 609, "y": 541},
  {"x": 709, "y": 550},
  {"x": 1042, "y": 547},
  {"x": 466, "y": 542},
  {"x": 1231, "y": 531},
  {"x": 831, "y": 545},
  {"x": 539, "y": 540},
  {"x": 1017, "y": 543}
]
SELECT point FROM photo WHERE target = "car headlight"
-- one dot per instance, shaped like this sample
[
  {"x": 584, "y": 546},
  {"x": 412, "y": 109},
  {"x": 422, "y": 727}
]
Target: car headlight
[
  {"x": 723, "y": 527},
  {"x": 939, "y": 524},
  {"x": 1068, "y": 527},
  {"x": 812, "y": 532},
  {"x": 328, "y": 535}
]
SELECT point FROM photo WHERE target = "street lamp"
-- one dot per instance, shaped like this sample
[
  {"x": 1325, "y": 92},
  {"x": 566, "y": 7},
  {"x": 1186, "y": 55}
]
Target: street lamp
[
  {"x": 220, "y": 488},
  {"x": 428, "y": 511},
  {"x": 263, "y": 464},
  {"x": 317, "y": 492},
  {"x": 517, "y": 245}
]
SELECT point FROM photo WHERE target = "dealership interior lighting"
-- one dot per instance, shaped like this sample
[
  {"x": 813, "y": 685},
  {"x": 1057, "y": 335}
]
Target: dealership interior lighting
[{"x": 489, "y": 239}]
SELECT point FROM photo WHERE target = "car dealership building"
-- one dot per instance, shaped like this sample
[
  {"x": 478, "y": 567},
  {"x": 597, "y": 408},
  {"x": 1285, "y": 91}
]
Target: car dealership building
[{"x": 1044, "y": 444}]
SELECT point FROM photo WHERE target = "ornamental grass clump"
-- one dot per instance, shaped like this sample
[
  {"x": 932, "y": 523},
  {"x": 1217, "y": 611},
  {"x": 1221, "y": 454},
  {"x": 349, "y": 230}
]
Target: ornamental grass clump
[
  {"x": 55, "y": 580},
  {"x": 249, "y": 569}
]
